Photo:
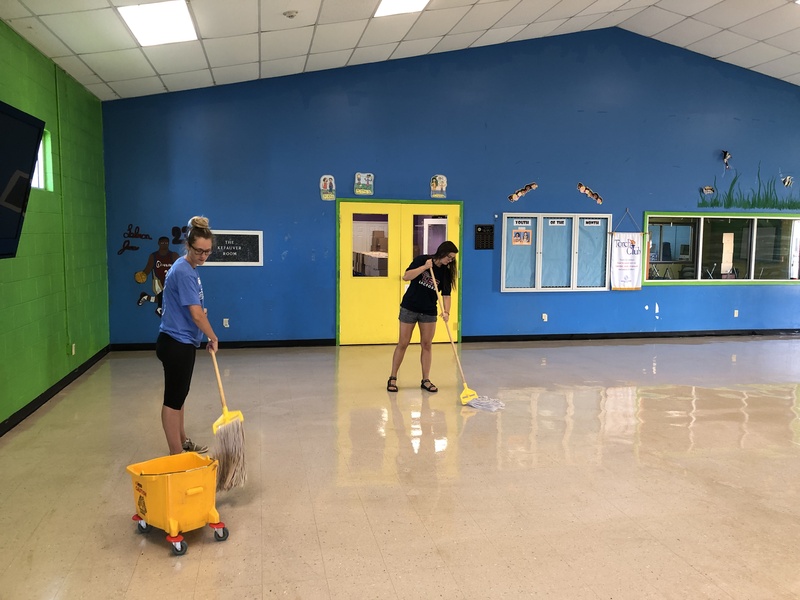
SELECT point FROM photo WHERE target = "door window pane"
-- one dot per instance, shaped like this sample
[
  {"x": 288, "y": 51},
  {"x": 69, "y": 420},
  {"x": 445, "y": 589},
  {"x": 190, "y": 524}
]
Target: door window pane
[
  {"x": 429, "y": 232},
  {"x": 370, "y": 245}
]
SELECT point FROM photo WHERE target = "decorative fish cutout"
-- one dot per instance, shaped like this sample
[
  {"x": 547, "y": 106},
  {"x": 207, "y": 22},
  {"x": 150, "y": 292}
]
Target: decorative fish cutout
[
  {"x": 726, "y": 157},
  {"x": 708, "y": 190},
  {"x": 522, "y": 191},
  {"x": 787, "y": 181}
]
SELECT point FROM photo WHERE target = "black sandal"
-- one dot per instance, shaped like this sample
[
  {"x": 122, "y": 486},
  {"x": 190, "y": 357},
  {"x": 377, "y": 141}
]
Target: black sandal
[
  {"x": 429, "y": 387},
  {"x": 391, "y": 387}
]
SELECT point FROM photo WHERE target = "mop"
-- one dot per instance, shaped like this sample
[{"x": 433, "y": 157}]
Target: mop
[
  {"x": 229, "y": 442},
  {"x": 468, "y": 397}
]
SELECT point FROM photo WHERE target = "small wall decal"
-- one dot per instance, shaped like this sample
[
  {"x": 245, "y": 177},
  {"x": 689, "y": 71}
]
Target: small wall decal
[
  {"x": 707, "y": 189},
  {"x": 438, "y": 186},
  {"x": 158, "y": 263},
  {"x": 364, "y": 185},
  {"x": 787, "y": 181},
  {"x": 726, "y": 157},
  {"x": 522, "y": 191},
  {"x": 590, "y": 193},
  {"x": 327, "y": 187}
]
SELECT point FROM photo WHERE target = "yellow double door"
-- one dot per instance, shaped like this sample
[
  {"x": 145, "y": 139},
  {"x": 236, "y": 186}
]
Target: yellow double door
[{"x": 377, "y": 242}]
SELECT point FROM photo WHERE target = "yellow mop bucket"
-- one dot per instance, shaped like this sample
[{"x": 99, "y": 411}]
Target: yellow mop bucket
[{"x": 176, "y": 493}]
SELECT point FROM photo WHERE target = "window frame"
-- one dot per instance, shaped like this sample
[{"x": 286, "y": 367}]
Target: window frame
[
  {"x": 539, "y": 251},
  {"x": 735, "y": 276}
]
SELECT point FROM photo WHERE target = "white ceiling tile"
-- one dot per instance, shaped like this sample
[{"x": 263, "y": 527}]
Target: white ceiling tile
[
  {"x": 188, "y": 81},
  {"x": 78, "y": 70},
  {"x": 526, "y": 12},
  {"x": 438, "y": 4},
  {"x": 772, "y": 23},
  {"x": 638, "y": 4},
  {"x": 457, "y": 41},
  {"x": 686, "y": 32},
  {"x": 781, "y": 67},
  {"x": 132, "y": 88},
  {"x": 753, "y": 55},
  {"x": 339, "y": 11},
  {"x": 328, "y": 60},
  {"x": 484, "y": 16},
  {"x": 788, "y": 41},
  {"x": 272, "y": 18},
  {"x": 131, "y": 2},
  {"x": 371, "y": 54},
  {"x": 602, "y": 6},
  {"x": 49, "y": 7},
  {"x": 565, "y": 9},
  {"x": 236, "y": 73},
  {"x": 106, "y": 27},
  {"x": 615, "y": 18},
  {"x": 225, "y": 19},
  {"x": 686, "y": 8},
  {"x": 436, "y": 23},
  {"x": 12, "y": 9},
  {"x": 414, "y": 48},
  {"x": 650, "y": 21},
  {"x": 795, "y": 79},
  {"x": 176, "y": 58},
  {"x": 497, "y": 36},
  {"x": 283, "y": 44},
  {"x": 119, "y": 65},
  {"x": 102, "y": 91},
  {"x": 40, "y": 36},
  {"x": 283, "y": 66},
  {"x": 538, "y": 30},
  {"x": 224, "y": 52},
  {"x": 720, "y": 44},
  {"x": 337, "y": 36},
  {"x": 576, "y": 24},
  {"x": 387, "y": 29},
  {"x": 732, "y": 12}
]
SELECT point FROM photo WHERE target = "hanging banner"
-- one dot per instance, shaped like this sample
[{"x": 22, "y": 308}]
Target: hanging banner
[{"x": 626, "y": 261}]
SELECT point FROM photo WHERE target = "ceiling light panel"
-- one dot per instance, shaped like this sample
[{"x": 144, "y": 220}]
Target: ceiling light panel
[{"x": 159, "y": 23}]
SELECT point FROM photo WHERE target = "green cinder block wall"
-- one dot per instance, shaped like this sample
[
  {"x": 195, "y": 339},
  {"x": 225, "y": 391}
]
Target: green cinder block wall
[{"x": 55, "y": 292}]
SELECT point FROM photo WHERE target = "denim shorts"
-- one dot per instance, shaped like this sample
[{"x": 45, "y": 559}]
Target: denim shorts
[{"x": 409, "y": 316}]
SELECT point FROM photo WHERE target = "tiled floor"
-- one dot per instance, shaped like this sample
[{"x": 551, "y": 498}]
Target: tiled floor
[{"x": 618, "y": 470}]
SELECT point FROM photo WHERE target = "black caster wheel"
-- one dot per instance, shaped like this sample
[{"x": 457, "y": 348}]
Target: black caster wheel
[
  {"x": 221, "y": 535},
  {"x": 179, "y": 548},
  {"x": 144, "y": 527}
]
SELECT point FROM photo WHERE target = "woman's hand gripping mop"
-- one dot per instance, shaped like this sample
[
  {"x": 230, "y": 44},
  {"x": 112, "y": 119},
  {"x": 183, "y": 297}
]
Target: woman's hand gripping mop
[
  {"x": 229, "y": 442},
  {"x": 468, "y": 397}
]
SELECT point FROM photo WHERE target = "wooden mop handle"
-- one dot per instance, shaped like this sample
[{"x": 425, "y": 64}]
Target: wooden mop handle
[
  {"x": 219, "y": 381},
  {"x": 447, "y": 326}
]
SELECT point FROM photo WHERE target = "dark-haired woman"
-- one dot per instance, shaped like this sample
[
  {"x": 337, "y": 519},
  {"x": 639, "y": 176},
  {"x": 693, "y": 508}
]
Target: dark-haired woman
[
  {"x": 420, "y": 306},
  {"x": 183, "y": 324}
]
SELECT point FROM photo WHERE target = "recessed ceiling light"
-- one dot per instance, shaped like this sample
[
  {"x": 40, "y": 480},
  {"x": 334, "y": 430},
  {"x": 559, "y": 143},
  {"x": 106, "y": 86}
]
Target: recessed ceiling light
[
  {"x": 399, "y": 7},
  {"x": 160, "y": 23}
]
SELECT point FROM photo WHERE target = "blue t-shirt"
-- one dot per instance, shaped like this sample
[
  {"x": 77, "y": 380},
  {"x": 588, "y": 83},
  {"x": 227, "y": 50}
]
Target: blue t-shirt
[{"x": 182, "y": 289}]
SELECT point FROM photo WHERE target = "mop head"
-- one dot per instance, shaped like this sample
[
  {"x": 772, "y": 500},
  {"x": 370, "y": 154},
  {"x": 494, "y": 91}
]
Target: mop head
[
  {"x": 486, "y": 403},
  {"x": 229, "y": 451}
]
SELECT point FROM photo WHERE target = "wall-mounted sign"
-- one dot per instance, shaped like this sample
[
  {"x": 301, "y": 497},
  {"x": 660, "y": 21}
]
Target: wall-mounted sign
[
  {"x": 327, "y": 187},
  {"x": 237, "y": 249},
  {"x": 438, "y": 186},
  {"x": 365, "y": 184}
]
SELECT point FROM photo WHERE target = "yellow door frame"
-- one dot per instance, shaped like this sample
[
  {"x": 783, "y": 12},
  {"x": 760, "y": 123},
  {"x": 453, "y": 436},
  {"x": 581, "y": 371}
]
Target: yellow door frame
[{"x": 380, "y": 205}]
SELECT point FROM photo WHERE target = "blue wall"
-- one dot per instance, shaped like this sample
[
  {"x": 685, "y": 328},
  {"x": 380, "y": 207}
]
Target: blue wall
[{"x": 641, "y": 122}]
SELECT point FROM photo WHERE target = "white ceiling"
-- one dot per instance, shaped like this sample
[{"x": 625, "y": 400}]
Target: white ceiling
[{"x": 241, "y": 40}]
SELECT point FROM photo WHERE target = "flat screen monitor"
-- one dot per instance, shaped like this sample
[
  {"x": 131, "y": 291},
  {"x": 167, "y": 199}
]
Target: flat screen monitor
[{"x": 20, "y": 136}]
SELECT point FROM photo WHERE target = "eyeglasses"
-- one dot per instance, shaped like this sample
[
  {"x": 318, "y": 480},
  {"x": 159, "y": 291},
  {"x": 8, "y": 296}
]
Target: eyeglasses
[{"x": 200, "y": 252}]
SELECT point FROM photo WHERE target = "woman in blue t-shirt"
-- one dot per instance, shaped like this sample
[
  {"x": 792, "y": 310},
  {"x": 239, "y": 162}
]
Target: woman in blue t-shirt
[
  {"x": 183, "y": 324},
  {"x": 420, "y": 305}
]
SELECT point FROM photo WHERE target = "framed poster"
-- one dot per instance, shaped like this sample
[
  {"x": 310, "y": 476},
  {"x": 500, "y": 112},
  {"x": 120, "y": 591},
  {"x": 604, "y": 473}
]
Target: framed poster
[{"x": 237, "y": 249}]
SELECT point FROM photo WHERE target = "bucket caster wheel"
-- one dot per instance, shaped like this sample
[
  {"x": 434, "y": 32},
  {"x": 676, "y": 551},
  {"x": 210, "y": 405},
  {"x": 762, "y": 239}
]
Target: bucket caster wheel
[
  {"x": 179, "y": 548},
  {"x": 141, "y": 525},
  {"x": 220, "y": 535}
]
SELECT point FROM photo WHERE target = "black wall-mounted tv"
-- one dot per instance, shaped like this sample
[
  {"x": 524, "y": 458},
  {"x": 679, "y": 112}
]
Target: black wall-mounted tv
[{"x": 20, "y": 136}]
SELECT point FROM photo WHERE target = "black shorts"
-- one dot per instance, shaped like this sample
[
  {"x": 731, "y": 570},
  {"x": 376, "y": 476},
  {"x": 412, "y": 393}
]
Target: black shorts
[{"x": 178, "y": 360}]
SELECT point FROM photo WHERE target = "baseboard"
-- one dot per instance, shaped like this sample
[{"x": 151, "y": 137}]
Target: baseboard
[
  {"x": 632, "y": 335},
  {"x": 42, "y": 399},
  {"x": 245, "y": 344}
]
